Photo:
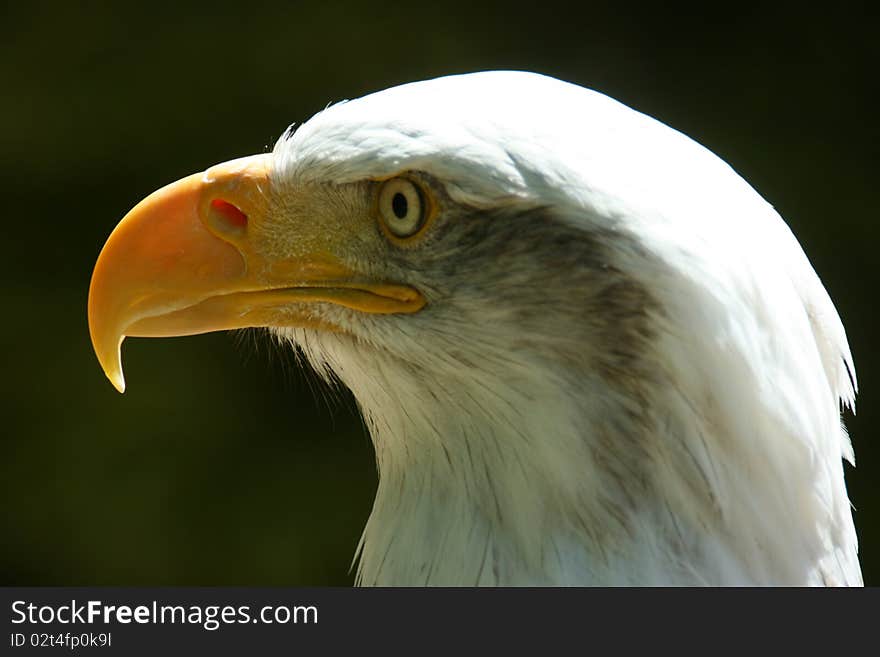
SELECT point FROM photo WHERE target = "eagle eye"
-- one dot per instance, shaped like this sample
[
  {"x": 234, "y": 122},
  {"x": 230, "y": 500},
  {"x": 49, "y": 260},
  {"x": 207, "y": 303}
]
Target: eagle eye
[{"x": 401, "y": 207}]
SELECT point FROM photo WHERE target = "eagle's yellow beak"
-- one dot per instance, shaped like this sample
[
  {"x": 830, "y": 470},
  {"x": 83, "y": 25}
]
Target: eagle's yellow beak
[{"x": 183, "y": 262}]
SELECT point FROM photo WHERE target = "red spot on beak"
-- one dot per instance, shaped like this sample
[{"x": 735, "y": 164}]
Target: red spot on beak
[{"x": 234, "y": 217}]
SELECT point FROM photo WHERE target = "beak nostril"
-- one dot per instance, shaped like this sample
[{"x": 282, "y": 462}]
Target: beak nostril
[{"x": 227, "y": 218}]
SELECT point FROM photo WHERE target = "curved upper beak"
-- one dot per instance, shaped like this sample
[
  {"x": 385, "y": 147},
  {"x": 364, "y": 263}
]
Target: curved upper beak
[{"x": 182, "y": 262}]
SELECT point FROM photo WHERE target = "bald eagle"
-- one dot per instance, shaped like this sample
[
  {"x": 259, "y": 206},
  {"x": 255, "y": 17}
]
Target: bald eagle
[{"x": 587, "y": 351}]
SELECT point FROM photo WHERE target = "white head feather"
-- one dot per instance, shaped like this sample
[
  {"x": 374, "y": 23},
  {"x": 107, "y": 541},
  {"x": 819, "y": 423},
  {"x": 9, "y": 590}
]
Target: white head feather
[{"x": 627, "y": 373}]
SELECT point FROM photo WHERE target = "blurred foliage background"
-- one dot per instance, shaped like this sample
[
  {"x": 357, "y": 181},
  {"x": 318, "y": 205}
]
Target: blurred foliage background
[{"x": 223, "y": 463}]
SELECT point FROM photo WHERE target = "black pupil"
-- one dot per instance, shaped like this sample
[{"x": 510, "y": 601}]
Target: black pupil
[{"x": 399, "y": 205}]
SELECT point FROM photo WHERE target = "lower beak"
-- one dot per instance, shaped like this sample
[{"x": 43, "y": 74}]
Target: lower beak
[{"x": 182, "y": 262}]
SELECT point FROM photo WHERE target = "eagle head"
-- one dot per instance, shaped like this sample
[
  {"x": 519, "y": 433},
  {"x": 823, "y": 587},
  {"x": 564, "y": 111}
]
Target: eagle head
[{"x": 587, "y": 351}]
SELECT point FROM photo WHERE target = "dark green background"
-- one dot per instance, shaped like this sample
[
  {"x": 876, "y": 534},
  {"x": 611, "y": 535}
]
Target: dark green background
[{"x": 220, "y": 465}]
